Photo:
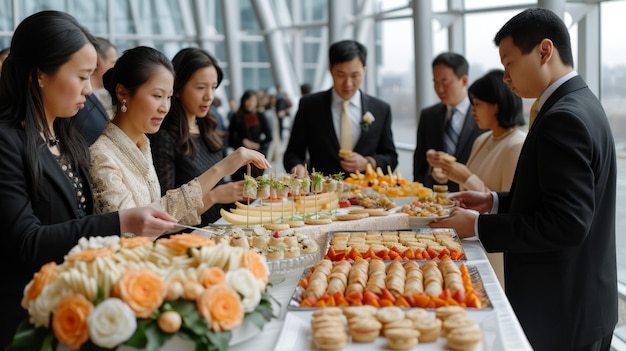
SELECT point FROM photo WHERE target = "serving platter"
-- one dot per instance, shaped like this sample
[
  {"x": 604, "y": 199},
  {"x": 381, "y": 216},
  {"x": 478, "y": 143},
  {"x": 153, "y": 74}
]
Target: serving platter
[
  {"x": 296, "y": 334},
  {"x": 478, "y": 289},
  {"x": 408, "y": 244}
]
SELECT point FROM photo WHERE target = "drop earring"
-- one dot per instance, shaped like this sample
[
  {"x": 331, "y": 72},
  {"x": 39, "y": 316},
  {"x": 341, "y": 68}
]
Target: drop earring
[{"x": 123, "y": 108}]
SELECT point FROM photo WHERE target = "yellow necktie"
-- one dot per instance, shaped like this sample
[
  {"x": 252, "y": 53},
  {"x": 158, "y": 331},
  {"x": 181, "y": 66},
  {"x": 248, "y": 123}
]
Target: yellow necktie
[
  {"x": 534, "y": 110},
  {"x": 345, "y": 139}
]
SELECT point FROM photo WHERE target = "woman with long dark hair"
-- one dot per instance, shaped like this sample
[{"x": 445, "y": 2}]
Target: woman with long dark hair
[
  {"x": 47, "y": 201},
  {"x": 189, "y": 141}
]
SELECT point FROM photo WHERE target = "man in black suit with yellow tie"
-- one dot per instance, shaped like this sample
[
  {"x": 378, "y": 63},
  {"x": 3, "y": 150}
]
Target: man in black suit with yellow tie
[
  {"x": 556, "y": 226},
  {"x": 446, "y": 126},
  {"x": 342, "y": 118}
]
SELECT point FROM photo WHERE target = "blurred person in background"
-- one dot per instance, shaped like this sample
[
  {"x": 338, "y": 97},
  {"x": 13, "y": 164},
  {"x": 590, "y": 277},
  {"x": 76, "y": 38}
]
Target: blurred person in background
[
  {"x": 249, "y": 128},
  {"x": 364, "y": 136},
  {"x": 97, "y": 112},
  {"x": 448, "y": 125},
  {"x": 491, "y": 164},
  {"x": 189, "y": 141}
]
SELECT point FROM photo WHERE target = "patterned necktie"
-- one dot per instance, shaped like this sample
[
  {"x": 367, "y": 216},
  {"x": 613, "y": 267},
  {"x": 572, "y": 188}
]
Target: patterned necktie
[
  {"x": 534, "y": 111},
  {"x": 345, "y": 139},
  {"x": 451, "y": 137}
]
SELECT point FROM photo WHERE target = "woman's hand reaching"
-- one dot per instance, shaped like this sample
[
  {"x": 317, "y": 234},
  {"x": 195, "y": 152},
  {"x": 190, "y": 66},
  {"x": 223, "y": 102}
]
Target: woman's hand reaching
[{"x": 145, "y": 221}]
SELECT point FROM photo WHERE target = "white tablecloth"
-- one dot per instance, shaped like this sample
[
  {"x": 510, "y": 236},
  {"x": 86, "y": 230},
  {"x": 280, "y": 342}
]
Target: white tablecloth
[{"x": 505, "y": 330}]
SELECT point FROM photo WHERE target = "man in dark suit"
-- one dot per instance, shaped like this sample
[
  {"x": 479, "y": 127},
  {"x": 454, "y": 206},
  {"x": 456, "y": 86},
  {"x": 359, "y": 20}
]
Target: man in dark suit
[
  {"x": 93, "y": 117},
  {"x": 556, "y": 226},
  {"x": 317, "y": 128},
  {"x": 454, "y": 111}
]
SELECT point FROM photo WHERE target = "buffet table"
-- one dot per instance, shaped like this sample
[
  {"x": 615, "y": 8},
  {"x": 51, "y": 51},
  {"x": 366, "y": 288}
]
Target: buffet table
[{"x": 501, "y": 329}]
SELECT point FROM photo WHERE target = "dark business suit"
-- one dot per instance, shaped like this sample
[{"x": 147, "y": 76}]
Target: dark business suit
[
  {"x": 313, "y": 132},
  {"x": 430, "y": 132},
  {"x": 37, "y": 231},
  {"x": 557, "y": 224},
  {"x": 91, "y": 119}
]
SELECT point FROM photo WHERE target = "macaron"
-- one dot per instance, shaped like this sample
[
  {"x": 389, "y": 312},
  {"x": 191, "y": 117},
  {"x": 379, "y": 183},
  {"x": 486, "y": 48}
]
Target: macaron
[
  {"x": 402, "y": 338},
  {"x": 429, "y": 329},
  {"x": 365, "y": 329},
  {"x": 464, "y": 339}
]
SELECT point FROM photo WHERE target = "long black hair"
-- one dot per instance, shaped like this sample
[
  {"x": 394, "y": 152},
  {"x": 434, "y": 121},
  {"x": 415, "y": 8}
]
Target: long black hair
[
  {"x": 186, "y": 62},
  {"x": 42, "y": 42}
]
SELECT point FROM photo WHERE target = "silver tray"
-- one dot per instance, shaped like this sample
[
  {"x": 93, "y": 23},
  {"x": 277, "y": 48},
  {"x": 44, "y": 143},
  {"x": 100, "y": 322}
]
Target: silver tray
[
  {"x": 477, "y": 284},
  {"x": 416, "y": 230}
]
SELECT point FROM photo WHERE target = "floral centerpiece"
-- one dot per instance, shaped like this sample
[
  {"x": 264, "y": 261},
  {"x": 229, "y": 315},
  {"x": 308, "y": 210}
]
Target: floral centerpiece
[{"x": 112, "y": 291}]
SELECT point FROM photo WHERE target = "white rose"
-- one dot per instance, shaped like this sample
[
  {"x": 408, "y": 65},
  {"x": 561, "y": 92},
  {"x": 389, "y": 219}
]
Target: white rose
[
  {"x": 111, "y": 323},
  {"x": 41, "y": 308},
  {"x": 368, "y": 118},
  {"x": 245, "y": 283}
]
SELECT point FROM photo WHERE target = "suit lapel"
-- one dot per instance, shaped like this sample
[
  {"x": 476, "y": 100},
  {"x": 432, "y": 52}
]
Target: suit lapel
[
  {"x": 326, "y": 124},
  {"x": 575, "y": 83},
  {"x": 96, "y": 102},
  {"x": 366, "y": 106}
]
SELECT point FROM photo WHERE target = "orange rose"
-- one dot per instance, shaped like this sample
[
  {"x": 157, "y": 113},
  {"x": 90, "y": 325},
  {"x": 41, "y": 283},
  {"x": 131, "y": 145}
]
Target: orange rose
[
  {"x": 212, "y": 276},
  {"x": 42, "y": 278},
  {"x": 136, "y": 241},
  {"x": 89, "y": 255},
  {"x": 180, "y": 243},
  {"x": 142, "y": 290},
  {"x": 221, "y": 307},
  {"x": 69, "y": 320},
  {"x": 255, "y": 264}
]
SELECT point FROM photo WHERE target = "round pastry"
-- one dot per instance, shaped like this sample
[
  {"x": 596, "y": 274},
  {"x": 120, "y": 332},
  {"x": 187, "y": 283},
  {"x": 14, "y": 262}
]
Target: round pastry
[
  {"x": 328, "y": 311},
  {"x": 273, "y": 253},
  {"x": 308, "y": 246},
  {"x": 365, "y": 329},
  {"x": 276, "y": 226},
  {"x": 402, "y": 339},
  {"x": 331, "y": 339},
  {"x": 445, "y": 312},
  {"x": 417, "y": 314},
  {"x": 440, "y": 188},
  {"x": 351, "y": 217},
  {"x": 456, "y": 321},
  {"x": 312, "y": 221},
  {"x": 448, "y": 158},
  {"x": 429, "y": 329},
  {"x": 464, "y": 339},
  {"x": 370, "y": 211},
  {"x": 389, "y": 314},
  {"x": 399, "y": 324},
  {"x": 295, "y": 224},
  {"x": 345, "y": 153},
  {"x": 360, "y": 311}
]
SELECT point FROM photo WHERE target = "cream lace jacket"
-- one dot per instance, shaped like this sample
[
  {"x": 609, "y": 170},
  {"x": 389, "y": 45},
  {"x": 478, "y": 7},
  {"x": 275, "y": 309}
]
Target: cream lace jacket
[{"x": 123, "y": 176}]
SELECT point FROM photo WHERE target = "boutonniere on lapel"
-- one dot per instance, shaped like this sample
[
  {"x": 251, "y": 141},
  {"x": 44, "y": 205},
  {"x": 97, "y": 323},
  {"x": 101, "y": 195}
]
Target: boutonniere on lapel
[{"x": 367, "y": 120}]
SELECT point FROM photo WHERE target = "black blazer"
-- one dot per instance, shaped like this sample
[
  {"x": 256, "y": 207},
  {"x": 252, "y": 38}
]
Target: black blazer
[
  {"x": 430, "y": 132},
  {"x": 557, "y": 227},
  {"x": 313, "y": 132},
  {"x": 92, "y": 119},
  {"x": 37, "y": 232}
]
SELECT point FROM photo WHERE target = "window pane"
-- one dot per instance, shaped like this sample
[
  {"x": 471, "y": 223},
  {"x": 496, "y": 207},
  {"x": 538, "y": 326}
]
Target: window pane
[{"x": 253, "y": 52}]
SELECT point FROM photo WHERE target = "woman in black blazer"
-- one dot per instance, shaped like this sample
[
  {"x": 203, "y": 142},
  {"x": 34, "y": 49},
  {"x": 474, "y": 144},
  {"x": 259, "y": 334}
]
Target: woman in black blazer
[{"x": 46, "y": 204}]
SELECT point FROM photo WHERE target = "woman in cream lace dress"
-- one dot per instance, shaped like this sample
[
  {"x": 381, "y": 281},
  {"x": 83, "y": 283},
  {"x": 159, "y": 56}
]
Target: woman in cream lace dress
[{"x": 122, "y": 171}]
